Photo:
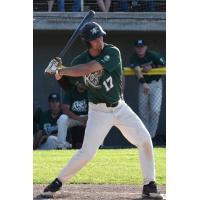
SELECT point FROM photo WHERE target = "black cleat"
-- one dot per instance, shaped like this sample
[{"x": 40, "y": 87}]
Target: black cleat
[
  {"x": 150, "y": 191},
  {"x": 54, "y": 186}
]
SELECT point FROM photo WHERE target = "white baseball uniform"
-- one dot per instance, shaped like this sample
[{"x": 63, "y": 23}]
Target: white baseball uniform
[{"x": 150, "y": 105}]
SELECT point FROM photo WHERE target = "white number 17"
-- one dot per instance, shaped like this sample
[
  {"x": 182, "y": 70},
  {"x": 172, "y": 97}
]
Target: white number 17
[{"x": 108, "y": 83}]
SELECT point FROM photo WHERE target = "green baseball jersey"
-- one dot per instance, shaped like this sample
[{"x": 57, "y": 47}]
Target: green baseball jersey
[
  {"x": 152, "y": 58},
  {"x": 104, "y": 85},
  {"x": 49, "y": 124},
  {"x": 78, "y": 101}
]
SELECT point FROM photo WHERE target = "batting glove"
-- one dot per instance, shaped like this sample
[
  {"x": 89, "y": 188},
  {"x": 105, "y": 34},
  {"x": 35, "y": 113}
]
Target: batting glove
[{"x": 54, "y": 64}]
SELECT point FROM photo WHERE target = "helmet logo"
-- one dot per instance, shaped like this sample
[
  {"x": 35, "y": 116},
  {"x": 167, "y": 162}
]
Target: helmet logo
[
  {"x": 106, "y": 58},
  {"x": 94, "y": 30}
]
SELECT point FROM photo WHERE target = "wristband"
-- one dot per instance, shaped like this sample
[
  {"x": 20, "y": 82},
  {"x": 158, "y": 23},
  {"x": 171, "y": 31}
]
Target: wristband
[{"x": 142, "y": 80}]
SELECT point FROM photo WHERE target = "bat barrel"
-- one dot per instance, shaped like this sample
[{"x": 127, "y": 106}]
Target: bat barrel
[{"x": 76, "y": 33}]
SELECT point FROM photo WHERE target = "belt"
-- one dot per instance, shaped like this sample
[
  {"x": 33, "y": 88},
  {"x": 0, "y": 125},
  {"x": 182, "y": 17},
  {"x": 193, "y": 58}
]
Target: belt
[{"x": 114, "y": 104}]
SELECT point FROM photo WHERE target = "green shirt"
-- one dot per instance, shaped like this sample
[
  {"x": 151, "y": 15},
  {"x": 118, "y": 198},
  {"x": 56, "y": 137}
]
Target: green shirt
[
  {"x": 78, "y": 101},
  {"x": 49, "y": 124},
  {"x": 152, "y": 58},
  {"x": 36, "y": 118},
  {"x": 105, "y": 85}
]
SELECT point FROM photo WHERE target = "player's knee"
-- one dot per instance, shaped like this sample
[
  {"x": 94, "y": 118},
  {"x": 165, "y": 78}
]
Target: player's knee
[
  {"x": 52, "y": 138},
  {"x": 52, "y": 142},
  {"x": 145, "y": 146},
  {"x": 87, "y": 154},
  {"x": 63, "y": 120},
  {"x": 146, "y": 139},
  {"x": 148, "y": 149}
]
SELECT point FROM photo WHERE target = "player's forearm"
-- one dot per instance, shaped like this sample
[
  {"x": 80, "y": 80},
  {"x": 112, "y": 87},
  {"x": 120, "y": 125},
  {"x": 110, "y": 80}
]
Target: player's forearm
[
  {"x": 80, "y": 70},
  {"x": 138, "y": 72},
  {"x": 141, "y": 78},
  {"x": 75, "y": 71},
  {"x": 70, "y": 114}
]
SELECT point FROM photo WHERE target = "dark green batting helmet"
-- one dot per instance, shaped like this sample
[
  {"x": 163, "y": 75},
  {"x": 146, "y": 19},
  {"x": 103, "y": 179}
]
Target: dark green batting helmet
[{"x": 91, "y": 31}]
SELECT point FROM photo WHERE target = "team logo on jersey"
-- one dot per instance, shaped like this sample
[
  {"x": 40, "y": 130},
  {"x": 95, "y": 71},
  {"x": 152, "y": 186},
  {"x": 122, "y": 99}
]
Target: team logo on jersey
[
  {"x": 49, "y": 129},
  {"x": 79, "y": 106},
  {"x": 93, "y": 79},
  {"x": 94, "y": 30},
  {"x": 106, "y": 58}
]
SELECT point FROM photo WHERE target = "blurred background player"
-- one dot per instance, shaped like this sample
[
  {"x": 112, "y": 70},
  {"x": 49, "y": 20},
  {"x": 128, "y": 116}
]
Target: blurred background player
[
  {"x": 150, "y": 88},
  {"x": 75, "y": 104},
  {"x": 75, "y": 114},
  {"x": 47, "y": 136}
]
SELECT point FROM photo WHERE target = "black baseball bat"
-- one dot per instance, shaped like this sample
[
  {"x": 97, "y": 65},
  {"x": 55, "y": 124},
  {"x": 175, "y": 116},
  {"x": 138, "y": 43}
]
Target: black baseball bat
[{"x": 76, "y": 33}]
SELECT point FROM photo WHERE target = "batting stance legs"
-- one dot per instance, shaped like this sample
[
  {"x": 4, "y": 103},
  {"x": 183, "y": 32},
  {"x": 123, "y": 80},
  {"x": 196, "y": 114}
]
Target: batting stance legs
[{"x": 100, "y": 121}]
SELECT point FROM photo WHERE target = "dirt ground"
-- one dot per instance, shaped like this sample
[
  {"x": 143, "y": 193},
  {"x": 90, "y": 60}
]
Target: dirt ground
[{"x": 94, "y": 192}]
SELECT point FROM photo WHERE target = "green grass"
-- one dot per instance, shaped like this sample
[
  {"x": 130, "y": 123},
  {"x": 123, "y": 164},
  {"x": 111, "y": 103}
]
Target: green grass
[{"x": 116, "y": 166}]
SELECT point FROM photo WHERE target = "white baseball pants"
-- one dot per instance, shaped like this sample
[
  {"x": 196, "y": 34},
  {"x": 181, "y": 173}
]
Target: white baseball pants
[
  {"x": 100, "y": 121},
  {"x": 150, "y": 106}
]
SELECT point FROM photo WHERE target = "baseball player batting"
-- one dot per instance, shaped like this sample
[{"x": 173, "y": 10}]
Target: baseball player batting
[{"x": 100, "y": 69}]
